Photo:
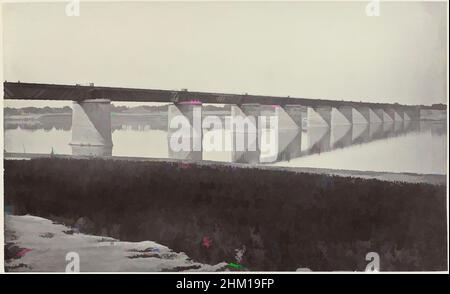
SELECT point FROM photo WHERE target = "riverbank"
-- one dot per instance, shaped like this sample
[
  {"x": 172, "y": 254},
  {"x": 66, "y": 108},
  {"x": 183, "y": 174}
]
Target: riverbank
[{"x": 433, "y": 179}]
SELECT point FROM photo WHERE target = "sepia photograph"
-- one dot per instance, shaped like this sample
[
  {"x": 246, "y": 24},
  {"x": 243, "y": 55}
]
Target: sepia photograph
[{"x": 224, "y": 137}]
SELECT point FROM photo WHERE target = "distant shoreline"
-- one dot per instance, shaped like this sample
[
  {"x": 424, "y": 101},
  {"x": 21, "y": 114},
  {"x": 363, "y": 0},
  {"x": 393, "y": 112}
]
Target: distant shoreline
[{"x": 438, "y": 115}]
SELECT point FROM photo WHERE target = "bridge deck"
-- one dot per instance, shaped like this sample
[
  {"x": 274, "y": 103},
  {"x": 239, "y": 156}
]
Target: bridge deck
[{"x": 32, "y": 91}]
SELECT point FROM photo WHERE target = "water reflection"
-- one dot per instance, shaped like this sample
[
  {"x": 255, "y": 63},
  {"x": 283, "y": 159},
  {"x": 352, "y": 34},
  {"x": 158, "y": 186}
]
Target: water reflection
[
  {"x": 147, "y": 136},
  {"x": 96, "y": 151},
  {"x": 142, "y": 122},
  {"x": 289, "y": 145},
  {"x": 361, "y": 134},
  {"x": 317, "y": 140},
  {"x": 341, "y": 137},
  {"x": 195, "y": 155}
]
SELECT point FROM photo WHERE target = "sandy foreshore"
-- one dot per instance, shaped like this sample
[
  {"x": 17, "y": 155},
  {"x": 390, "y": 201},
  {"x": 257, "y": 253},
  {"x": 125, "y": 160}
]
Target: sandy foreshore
[{"x": 37, "y": 244}]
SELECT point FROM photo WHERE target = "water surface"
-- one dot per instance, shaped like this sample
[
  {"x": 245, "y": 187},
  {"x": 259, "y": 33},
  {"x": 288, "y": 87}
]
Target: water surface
[{"x": 416, "y": 147}]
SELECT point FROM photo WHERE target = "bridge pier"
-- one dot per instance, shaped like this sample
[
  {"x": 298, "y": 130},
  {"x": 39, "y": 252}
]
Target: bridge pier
[
  {"x": 406, "y": 114},
  {"x": 394, "y": 115},
  {"x": 380, "y": 113},
  {"x": 374, "y": 117},
  {"x": 246, "y": 133},
  {"x": 185, "y": 131},
  {"x": 297, "y": 113},
  {"x": 361, "y": 115},
  {"x": 412, "y": 113},
  {"x": 386, "y": 117},
  {"x": 91, "y": 126},
  {"x": 342, "y": 115},
  {"x": 319, "y": 116},
  {"x": 280, "y": 138},
  {"x": 400, "y": 113}
]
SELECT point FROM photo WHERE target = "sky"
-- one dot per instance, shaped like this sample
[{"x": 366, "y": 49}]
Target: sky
[{"x": 323, "y": 50}]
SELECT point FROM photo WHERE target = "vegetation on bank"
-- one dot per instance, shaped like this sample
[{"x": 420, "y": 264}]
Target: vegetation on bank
[{"x": 260, "y": 219}]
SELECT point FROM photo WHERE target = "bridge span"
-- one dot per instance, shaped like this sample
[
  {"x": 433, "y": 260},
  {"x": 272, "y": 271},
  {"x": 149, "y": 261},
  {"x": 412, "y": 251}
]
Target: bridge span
[
  {"x": 34, "y": 91},
  {"x": 91, "y": 117}
]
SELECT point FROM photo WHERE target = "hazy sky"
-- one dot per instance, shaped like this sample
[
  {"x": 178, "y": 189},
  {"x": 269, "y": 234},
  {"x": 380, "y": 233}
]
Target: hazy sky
[{"x": 329, "y": 50}]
